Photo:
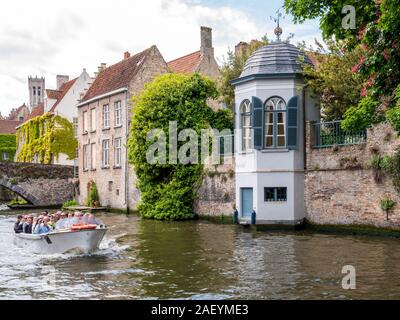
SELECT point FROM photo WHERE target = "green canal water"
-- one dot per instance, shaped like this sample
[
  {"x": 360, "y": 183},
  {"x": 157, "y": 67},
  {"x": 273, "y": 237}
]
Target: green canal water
[{"x": 202, "y": 260}]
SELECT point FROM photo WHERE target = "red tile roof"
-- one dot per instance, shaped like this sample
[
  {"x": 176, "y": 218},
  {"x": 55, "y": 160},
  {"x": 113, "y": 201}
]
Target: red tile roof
[
  {"x": 8, "y": 126},
  {"x": 186, "y": 64},
  {"x": 64, "y": 89},
  {"x": 53, "y": 94},
  {"x": 36, "y": 111},
  {"x": 117, "y": 76}
]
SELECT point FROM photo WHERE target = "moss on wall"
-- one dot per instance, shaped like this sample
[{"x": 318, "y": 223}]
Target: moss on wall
[{"x": 8, "y": 144}]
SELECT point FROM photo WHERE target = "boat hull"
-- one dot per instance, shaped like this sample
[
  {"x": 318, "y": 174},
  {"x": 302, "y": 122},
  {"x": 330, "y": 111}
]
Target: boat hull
[{"x": 84, "y": 241}]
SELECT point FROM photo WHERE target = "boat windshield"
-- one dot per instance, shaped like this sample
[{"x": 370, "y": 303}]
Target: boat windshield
[{"x": 67, "y": 223}]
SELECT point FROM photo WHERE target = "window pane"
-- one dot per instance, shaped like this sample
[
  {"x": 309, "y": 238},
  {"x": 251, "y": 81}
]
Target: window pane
[
  {"x": 269, "y": 194},
  {"x": 280, "y": 117},
  {"x": 281, "y": 194},
  {"x": 246, "y": 121},
  {"x": 269, "y": 142},
  {"x": 281, "y": 129},
  {"x": 281, "y": 141}
]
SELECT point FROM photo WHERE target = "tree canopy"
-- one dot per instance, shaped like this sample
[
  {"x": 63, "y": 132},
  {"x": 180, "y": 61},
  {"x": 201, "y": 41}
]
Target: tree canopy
[{"x": 376, "y": 32}]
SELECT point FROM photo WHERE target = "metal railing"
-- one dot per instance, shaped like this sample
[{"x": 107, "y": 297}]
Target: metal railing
[{"x": 329, "y": 134}]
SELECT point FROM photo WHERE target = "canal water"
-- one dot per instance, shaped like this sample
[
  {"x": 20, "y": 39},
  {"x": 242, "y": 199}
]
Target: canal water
[{"x": 201, "y": 260}]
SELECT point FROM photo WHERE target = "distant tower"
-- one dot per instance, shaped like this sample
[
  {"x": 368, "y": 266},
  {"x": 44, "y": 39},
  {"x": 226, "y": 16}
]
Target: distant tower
[{"x": 36, "y": 90}]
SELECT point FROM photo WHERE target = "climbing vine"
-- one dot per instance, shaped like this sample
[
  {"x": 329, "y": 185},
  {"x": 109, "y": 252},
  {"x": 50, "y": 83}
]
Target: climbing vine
[
  {"x": 8, "y": 145},
  {"x": 168, "y": 190},
  {"x": 45, "y": 136}
]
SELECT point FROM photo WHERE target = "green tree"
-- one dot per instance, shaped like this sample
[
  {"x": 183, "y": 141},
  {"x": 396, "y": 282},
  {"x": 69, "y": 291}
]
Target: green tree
[
  {"x": 233, "y": 67},
  {"x": 332, "y": 79},
  {"x": 168, "y": 190},
  {"x": 377, "y": 32}
]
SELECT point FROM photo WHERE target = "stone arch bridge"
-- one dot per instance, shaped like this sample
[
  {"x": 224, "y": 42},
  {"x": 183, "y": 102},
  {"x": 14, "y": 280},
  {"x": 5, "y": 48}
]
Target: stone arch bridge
[{"x": 40, "y": 185}]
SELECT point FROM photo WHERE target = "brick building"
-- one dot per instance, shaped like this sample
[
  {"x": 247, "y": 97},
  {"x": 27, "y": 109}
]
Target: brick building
[{"x": 103, "y": 127}]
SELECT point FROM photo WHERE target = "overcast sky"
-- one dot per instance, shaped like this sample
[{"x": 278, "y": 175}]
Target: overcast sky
[{"x": 47, "y": 37}]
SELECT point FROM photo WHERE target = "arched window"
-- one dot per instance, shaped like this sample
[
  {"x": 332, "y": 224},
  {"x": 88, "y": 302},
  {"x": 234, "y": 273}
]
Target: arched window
[
  {"x": 245, "y": 123},
  {"x": 275, "y": 123}
]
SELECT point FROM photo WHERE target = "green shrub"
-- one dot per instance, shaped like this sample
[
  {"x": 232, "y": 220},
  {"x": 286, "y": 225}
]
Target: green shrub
[
  {"x": 18, "y": 202},
  {"x": 93, "y": 196},
  {"x": 69, "y": 204},
  {"x": 387, "y": 205}
]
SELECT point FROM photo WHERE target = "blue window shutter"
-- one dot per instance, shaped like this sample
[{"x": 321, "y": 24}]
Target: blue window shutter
[
  {"x": 293, "y": 122},
  {"x": 257, "y": 120}
]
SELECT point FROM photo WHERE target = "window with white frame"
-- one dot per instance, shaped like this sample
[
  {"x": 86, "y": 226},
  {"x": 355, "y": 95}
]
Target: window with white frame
[
  {"x": 92, "y": 119},
  {"x": 118, "y": 152},
  {"x": 6, "y": 156},
  {"x": 245, "y": 124},
  {"x": 106, "y": 116},
  {"x": 105, "y": 159},
  {"x": 275, "y": 123},
  {"x": 93, "y": 156},
  {"x": 117, "y": 113},
  {"x": 75, "y": 126},
  {"x": 85, "y": 157},
  {"x": 85, "y": 122}
]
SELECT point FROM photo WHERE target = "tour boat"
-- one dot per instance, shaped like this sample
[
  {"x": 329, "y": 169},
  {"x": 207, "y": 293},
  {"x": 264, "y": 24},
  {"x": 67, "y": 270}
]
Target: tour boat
[{"x": 82, "y": 239}]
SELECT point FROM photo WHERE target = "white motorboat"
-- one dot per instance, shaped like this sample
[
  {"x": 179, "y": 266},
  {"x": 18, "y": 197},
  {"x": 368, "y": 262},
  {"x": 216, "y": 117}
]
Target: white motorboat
[{"x": 62, "y": 241}]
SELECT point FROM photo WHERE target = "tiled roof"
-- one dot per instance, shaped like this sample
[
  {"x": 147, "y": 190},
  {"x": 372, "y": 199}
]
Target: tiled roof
[
  {"x": 63, "y": 91},
  {"x": 36, "y": 111},
  {"x": 186, "y": 64},
  {"x": 117, "y": 76},
  {"x": 8, "y": 126},
  {"x": 53, "y": 94}
]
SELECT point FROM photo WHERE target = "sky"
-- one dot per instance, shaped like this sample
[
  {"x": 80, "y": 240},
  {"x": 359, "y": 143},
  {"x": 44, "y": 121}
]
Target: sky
[{"x": 47, "y": 37}]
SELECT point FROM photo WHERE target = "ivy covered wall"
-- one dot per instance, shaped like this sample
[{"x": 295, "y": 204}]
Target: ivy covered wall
[
  {"x": 8, "y": 144},
  {"x": 45, "y": 136}
]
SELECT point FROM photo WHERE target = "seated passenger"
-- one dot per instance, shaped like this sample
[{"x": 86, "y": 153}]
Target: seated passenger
[
  {"x": 28, "y": 225},
  {"x": 18, "y": 225},
  {"x": 52, "y": 221},
  {"x": 43, "y": 227}
]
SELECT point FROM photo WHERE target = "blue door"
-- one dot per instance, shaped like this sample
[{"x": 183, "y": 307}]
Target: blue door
[{"x": 247, "y": 202}]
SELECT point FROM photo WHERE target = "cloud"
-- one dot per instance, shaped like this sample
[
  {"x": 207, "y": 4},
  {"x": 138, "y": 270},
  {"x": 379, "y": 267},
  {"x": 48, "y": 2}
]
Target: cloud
[{"x": 64, "y": 38}]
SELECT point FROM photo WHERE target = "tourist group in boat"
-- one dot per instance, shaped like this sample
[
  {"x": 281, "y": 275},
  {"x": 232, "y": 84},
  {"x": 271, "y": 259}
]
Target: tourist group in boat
[{"x": 47, "y": 223}]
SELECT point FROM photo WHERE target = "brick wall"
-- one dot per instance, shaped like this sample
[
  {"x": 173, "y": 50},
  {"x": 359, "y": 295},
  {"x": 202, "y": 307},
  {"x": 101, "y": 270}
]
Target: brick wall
[{"x": 340, "y": 187}]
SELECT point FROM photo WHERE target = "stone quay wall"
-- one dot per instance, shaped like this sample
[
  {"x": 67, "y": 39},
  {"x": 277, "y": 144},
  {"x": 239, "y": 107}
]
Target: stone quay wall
[
  {"x": 216, "y": 196},
  {"x": 340, "y": 186}
]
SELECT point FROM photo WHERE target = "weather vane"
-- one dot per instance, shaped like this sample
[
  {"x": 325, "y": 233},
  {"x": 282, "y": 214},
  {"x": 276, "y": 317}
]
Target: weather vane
[{"x": 278, "y": 30}]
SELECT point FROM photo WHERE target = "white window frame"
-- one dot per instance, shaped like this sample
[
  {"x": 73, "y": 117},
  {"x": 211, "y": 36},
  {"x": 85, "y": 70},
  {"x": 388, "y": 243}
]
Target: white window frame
[
  {"x": 93, "y": 156},
  {"x": 106, "y": 116},
  {"x": 85, "y": 121},
  {"x": 117, "y": 114},
  {"x": 93, "y": 119},
  {"x": 105, "y": 153},
  {"x": 85, "y": 156},
  {"x": 6, "y": 156},
  {"x": 118, "y": 152}
]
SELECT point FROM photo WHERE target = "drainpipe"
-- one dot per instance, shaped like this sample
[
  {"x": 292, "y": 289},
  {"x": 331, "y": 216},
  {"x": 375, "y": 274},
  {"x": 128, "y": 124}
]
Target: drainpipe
[
  {"x": 126, "y": 153},
  {"x": 304, "y": 128}
]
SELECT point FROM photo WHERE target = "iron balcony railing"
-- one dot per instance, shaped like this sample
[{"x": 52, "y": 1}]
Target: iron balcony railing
[{"x": 329, "y": 134}]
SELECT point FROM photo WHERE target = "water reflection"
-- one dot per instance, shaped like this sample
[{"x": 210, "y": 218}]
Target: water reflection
[{"x": 200, "y": 260}]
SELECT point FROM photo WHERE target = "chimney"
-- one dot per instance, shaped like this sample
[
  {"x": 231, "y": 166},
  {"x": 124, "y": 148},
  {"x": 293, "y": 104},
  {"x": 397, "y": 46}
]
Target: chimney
[
  {"x": 102, "y": 67},
  {"x": 241, "y": 48},
  {"x": 61, "y": 80},
  {"x": 127, "y": 55},
  {"x": 206, "y": 41}
]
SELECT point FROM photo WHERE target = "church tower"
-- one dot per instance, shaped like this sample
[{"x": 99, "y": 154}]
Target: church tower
[{"x": 36, "y": 90}]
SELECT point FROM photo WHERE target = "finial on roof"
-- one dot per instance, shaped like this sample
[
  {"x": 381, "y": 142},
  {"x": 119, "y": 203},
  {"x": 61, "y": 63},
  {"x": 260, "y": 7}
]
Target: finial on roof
[{"x": 278, "y": 30}]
